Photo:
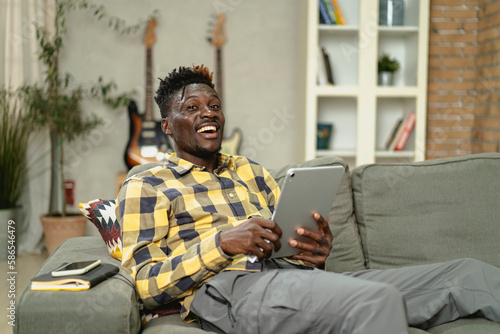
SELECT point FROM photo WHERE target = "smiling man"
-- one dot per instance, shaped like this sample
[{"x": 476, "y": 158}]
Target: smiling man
[
  {"x": 196, "y": 123},
  {"x": 190, "y": 226}
]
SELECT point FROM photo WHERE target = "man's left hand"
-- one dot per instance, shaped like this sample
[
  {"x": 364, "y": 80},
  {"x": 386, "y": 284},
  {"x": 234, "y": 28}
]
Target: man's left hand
[{"x": 317, "y": 248}]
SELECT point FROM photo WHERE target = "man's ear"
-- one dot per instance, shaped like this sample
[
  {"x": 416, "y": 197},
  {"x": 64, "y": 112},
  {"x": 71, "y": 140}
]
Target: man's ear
[{"x": 165, "y": 126}]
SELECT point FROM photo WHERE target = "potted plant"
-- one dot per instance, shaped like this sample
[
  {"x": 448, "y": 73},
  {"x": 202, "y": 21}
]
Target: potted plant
[
  {"x": 57, "y": 107},
  {"x": 15, "y": 128},
  {"x": 387, "y": 66}
]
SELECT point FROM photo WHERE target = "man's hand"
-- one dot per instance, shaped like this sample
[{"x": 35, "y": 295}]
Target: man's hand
[
  {"x": 318, "y": 246},
  {"x": 250, "y": 237}
]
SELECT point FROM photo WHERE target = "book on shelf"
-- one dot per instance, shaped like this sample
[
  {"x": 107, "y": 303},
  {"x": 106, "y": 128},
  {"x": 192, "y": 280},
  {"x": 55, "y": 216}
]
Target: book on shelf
[
  {"x": 393, "y": 133},
  {"x": 322, "y": 76},
  {"x": 330, "y": 12},
  {"x": 404, "y": 132},
  {"x": 323, "y": 13},
  {"x": 340, "y": 19},
  {"x": 74, "y": 282},
  {"x": 328, "y": 66},
  {"x": 408, "y": 128}
]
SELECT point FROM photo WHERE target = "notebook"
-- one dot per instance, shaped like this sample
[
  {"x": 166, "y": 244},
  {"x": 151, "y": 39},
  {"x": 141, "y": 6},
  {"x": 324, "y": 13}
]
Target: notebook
[{"x": 75, "y": 282}]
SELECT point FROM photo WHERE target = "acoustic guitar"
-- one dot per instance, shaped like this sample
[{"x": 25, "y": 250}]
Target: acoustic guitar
[
  {"x": 218, "y": 38},
  {"x": 147, "y": 143}
]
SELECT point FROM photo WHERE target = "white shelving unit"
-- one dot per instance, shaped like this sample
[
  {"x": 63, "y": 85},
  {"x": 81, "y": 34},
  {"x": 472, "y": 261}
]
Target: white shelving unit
[{"x": 363, "y": 113}]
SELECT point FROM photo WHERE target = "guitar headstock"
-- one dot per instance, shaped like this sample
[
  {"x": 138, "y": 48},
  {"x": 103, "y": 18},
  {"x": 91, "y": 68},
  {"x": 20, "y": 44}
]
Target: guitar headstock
[
  {"x": 218, "y": 35},
  {"x": 149, "y": 36}
]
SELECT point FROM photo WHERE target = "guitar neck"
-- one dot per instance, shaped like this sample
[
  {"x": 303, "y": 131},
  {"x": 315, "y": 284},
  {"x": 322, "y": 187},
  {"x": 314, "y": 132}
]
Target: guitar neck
[
  {"x": 148, "y": 110},
  {"x": 218, "y": 71}
]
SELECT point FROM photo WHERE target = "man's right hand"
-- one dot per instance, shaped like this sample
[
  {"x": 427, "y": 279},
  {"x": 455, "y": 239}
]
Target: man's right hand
[{"x": 251, "y": 237}]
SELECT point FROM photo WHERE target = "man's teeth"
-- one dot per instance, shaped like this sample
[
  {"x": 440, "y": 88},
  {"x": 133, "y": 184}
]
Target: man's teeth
[{"x": 207, "y": 128}]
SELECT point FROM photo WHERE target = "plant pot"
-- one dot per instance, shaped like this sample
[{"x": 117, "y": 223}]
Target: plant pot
[
  {"x": 5, "y": 216},
  {"x": 391, "y": 13},
  {"x": 385, "y": 78},
  {"x": 58, "y": 229}
]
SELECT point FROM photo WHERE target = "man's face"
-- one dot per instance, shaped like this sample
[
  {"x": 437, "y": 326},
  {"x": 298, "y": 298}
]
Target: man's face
[{"x": 195, "y": 122}]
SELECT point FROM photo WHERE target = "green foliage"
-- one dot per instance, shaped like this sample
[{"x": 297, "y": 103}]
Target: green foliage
[
  {"x": 62, "y": 112},
  {"x": 56, "y": 105},
  {"x": 15, "y": 128},
  {"x": 101, "y": 14},
  {"x": 387, "y": 64}
]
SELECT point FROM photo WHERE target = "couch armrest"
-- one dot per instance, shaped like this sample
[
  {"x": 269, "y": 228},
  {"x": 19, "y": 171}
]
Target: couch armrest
[{"x": 109, "y": 307}]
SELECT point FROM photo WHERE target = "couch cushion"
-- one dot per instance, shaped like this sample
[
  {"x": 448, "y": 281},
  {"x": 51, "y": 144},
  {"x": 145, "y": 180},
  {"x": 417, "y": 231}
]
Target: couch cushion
[
  {"x": 467, "y": 326},
  {"x": 430, "y": 211},
  {"x": 175, "y": 325},
  {"x": 109, "y": 307},
  {"x": 346, "y": 254}
]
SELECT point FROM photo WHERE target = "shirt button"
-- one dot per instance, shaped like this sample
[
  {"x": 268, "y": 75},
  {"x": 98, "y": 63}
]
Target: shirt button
[{"x": 231, "y": 195}]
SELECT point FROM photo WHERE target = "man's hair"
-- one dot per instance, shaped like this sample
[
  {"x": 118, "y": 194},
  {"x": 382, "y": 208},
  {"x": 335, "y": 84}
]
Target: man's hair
[{"x": 180, "y": 78}]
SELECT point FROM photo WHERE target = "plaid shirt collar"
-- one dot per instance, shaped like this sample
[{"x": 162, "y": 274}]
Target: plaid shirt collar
[{"x": 182, "y": 166}]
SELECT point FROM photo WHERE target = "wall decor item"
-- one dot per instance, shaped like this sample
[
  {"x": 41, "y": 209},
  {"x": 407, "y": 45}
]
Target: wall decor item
[
  {"x": 387, "y": 66},
  {"x": 391, "y": 12},
  {"x": 324, "y": 136},
  {"x": 147, "y": 143},
  {"x": 230, "y": 145}
]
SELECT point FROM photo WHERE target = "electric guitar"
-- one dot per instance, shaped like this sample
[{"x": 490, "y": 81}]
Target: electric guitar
[
  {"x": 147, "y": 142},
  {"x": 218, "y": 38}
]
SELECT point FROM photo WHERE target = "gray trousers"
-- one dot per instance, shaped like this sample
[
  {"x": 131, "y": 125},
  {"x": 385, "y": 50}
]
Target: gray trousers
[{"x": 371, "y": 301}]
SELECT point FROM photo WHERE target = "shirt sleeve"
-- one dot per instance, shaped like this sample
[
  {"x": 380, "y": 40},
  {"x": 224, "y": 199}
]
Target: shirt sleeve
[
  {"x": 159, "y": 278},
  {"x": 274, "y": 191}
]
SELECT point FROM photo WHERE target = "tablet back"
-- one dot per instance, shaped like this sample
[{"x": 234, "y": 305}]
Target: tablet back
[{"x": 304, "y": 191}]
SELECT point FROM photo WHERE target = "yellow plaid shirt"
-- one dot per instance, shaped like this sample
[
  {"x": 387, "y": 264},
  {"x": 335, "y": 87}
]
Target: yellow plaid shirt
[{"x": 171, "y": 216}]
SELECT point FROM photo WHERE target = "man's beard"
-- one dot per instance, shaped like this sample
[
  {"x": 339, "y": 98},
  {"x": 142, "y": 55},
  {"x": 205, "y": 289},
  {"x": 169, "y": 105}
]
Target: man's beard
[{"x": 205, "y": 154}]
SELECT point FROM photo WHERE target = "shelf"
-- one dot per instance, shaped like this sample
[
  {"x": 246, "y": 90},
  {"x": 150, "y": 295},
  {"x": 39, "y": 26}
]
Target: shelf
[
  {"x": 394, "y": 154},
  {"x": 334, "y": 28},
  {"x": 395, "y": 91},
  {"x": 343, "y": 51},
  {"x": 399, "y": 31},
  {"x": 337, "y": 90},
  {"x": 341, "y": 112},
  {"x": 363, "y": 113},
  {"x": 337, "y": 153}
]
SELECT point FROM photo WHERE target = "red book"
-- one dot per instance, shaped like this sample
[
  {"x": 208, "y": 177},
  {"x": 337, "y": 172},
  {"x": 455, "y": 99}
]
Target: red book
[{"x": 407, "y": 129}]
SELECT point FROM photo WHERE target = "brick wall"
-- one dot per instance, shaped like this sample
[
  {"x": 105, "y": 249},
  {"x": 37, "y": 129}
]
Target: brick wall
[
  {"x": 464, "y": 78},
  {"x": 487, "y": 123}
]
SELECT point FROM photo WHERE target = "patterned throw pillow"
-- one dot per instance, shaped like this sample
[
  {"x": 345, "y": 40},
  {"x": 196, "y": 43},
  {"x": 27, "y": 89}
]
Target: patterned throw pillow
[{"x": 102, "y": 214}]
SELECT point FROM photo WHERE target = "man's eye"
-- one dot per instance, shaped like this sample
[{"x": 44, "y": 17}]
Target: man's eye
[
  {"x": 215, "y": 106},
  {"x": 191, "y": 107}
]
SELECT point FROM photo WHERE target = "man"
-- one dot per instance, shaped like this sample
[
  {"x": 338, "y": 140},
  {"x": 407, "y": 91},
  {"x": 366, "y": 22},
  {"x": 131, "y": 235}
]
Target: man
[{"x": 189, "y": 227}]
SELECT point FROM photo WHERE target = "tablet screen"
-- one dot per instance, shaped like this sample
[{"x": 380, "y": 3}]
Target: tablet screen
[{"x": 305, "y": 191}]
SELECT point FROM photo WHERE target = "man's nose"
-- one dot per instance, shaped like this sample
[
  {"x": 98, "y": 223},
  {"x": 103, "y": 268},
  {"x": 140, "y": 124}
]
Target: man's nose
[{"x": 206, "y": 112}]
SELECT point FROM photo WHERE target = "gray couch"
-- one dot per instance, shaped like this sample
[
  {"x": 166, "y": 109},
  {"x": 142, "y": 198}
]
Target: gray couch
[{"x": 384, "y": 215}]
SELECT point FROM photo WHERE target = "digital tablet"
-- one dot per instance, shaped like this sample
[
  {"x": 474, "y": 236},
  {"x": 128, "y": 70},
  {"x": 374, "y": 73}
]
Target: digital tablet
[{"x": 304, "y": 191}]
